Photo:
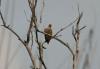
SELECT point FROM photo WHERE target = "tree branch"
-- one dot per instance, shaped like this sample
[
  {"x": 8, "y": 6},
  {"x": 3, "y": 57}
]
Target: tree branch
[
  {"x": 53, "y": 37},
  {"x": 2, "y": 18},
  {"x": 34, "y": 21},
  {"x": 66, "y": 26},
  {"x": 19, "y": 38}
]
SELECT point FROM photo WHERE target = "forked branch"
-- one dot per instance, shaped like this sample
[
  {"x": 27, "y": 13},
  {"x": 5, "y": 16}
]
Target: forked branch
[{"x": 20, "y": 39}]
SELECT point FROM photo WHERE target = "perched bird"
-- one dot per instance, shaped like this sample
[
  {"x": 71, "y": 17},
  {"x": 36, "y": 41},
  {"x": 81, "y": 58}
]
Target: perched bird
[{"x": 48, "y": 34}]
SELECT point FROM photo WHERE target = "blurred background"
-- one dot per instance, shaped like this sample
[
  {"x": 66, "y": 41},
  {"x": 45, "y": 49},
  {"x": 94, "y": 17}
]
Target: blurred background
[{"x": 59, "y": 13}]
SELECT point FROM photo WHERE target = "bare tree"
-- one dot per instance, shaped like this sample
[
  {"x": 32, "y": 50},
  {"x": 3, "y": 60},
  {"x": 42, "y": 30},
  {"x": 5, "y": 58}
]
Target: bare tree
[{"x": 28, "y": 43}]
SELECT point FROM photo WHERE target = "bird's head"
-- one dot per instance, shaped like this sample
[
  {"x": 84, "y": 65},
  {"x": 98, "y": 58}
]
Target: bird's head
[{"x": 50, "y": 25}]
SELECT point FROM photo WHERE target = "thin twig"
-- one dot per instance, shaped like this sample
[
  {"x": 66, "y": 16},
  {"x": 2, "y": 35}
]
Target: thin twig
[
  {"x": 53, "y": 37},
  {"x": 4, "y": 23},
  {"x": 29, "y": 2},
  {"x": 41, "y": 55},
  {"x": 19, "y": 38},
  {"x": 32, "y": 39},
  {"x": 31, "y": 56},
  {"x": 66, "y": 26},
  {"x": 40, "y": 66},
  {"x": 29, "y": 30},
  {"x": 40, "y": 50},
  {"x": 73, "y": 33},
  {"x": 34, "y": 20},
  {"x": 42, "y": 9},
  {"x": 35, "y": 3},
  {"x": 76, "y": 35},
  {"x": 66, "y": 45},
  {"x": 82, "y": 28}
]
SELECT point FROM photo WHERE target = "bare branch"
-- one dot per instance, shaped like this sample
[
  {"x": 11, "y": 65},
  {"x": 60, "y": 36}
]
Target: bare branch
[
  {"x": 35, "y": 3},
  {"x": 28, "y": 49},
  {"x": 66, "y": 26},
  {"x": 80, "y": 16},
  {"x": 76, "y": 35},
  {"x": 73, "y": 33},
  {"x": 34, "y": 20},
  {"x": 31, "y": 56},
  {"x": 40, "y": 50},
  {"x": 29, "y": 30},
  {"x": 42, "y": 9},
  {"x": 29, "y": 2},
  {"x": 66, "y": 45},
  {"x": 2, "y": 18},
  {"x": 32, "y": 39},
  {"x": 41, "y": 58},
  {"x": 82, "y": 28},
  {"x": 40, "y": 55},
  {"x": 19, "y": 38}
]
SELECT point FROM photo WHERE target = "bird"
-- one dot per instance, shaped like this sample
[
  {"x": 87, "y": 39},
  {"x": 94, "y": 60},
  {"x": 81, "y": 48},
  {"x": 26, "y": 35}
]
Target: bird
[{"x": 48, "y": 33}]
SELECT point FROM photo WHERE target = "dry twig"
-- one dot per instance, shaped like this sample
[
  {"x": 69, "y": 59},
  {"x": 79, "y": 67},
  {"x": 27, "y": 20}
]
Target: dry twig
[
  {"x": 76, "y": 35},
  {"x": 66, "y": 27},
  {"x": 34, "y": 21},
  {"x": 20, "y": 39},
  {"x": 42, "y": 9},
  {"x": 65, "y": 44}
]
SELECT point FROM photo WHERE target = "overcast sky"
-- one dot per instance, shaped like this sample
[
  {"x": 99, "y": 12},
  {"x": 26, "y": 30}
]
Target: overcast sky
[{"x": 59, "y": 13}]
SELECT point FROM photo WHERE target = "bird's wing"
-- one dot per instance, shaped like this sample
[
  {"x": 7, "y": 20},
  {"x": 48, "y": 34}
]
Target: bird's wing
[{"x": 48, "y": 31}]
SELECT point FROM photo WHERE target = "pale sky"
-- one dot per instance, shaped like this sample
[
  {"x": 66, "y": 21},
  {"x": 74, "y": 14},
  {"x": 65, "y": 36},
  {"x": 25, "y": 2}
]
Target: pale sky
[{"x": 59, "y": 13}]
